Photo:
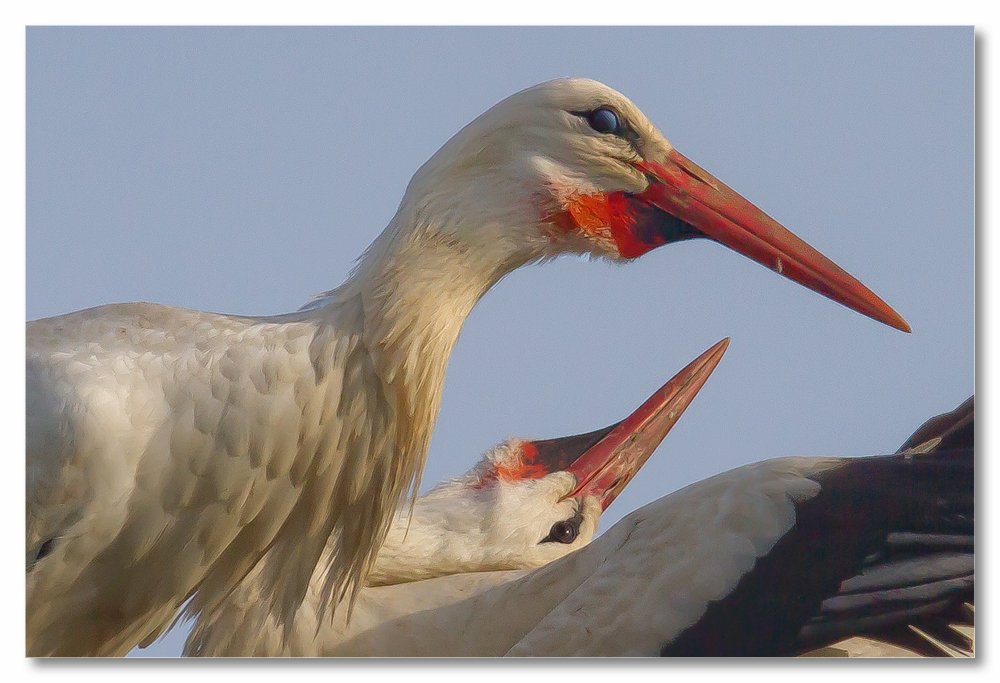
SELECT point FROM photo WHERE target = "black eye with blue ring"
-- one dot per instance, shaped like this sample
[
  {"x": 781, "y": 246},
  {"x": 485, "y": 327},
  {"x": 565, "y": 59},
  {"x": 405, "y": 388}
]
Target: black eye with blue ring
[{"x": 605, "y": 120}]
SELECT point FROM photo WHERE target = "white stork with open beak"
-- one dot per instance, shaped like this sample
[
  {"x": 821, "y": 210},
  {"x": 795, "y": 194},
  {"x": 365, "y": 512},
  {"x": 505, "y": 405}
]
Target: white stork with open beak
[
  {"x": 171, "y": 451},
  {"x": 779, "y": 557}
]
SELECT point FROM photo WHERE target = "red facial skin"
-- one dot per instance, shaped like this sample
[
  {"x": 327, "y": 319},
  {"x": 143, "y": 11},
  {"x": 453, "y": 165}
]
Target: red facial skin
[
  {"x": 528, "y": 467},
  {"x": 683, "y": 200},
  {"x": 613, "y": 216},
  {"x": 604, "y": 461}
]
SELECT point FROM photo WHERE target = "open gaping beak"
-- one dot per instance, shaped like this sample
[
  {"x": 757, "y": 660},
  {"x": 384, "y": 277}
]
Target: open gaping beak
[
  {"x": 604, "y": 461},
  {"x": 687, "y": 192}
]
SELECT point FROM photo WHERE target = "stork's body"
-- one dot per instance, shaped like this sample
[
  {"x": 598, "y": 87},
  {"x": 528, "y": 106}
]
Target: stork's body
[
  {"x": 171, "y": 451},
  {"x": 778, "y": 557},
  {"x": 230, "y": 435}
]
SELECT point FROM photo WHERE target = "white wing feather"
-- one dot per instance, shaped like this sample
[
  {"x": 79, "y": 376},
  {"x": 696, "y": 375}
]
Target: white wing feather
[{"x": 169, "y": 444}]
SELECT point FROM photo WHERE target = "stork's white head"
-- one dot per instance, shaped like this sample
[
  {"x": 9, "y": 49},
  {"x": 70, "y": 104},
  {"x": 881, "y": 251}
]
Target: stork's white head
[
  {"x": 572, "y": 166},
  {"x": 532, "y": 167},
  {"x": 527, "y": 503}
]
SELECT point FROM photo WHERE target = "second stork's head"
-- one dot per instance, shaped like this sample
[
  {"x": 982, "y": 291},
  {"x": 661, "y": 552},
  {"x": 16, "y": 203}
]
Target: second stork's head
[
  {"x": 572, "y": 166},
  {"x": 527, "y": 503}
]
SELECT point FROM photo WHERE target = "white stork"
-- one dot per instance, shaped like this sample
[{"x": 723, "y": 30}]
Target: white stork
[
  {"x": 171, "y": 451},
  {"x": 778, "y": 557}
]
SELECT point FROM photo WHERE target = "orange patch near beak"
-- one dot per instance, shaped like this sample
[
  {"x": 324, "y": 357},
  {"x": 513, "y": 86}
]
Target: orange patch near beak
[{"x": 605, "y": 217}]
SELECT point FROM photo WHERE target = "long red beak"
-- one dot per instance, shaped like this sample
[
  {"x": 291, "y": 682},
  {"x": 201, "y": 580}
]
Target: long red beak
[
  {"x": 604, "y": 461},
  {"x": 681, "y": 188}
]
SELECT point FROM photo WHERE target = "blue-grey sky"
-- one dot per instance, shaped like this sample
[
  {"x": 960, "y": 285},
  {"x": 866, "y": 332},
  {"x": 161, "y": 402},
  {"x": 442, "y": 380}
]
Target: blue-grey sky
[{"x": 243, "y": 170}]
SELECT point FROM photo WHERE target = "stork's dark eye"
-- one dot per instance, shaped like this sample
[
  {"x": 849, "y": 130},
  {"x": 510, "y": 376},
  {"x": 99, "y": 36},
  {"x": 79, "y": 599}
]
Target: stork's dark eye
[
  {"x": 563, "y": 532},
  {"x": 605, "y": 120}
]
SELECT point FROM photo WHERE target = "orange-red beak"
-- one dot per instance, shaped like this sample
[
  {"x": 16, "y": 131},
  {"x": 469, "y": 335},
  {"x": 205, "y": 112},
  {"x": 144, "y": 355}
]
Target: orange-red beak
[
  {"x": 604, "y": 461},
  {"x": 684, "y": 190}
]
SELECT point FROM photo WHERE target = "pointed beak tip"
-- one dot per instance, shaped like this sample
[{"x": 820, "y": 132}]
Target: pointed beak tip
[
  {"x": 608, "y": 465},
  {"x": 712, "y": 356},
  {"x": 886, "y": 315},
  {"x": 688, "y": 192}
]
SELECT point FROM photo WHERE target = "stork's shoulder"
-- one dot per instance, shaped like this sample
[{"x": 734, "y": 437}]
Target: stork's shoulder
[
  {"x": 149, "y": 327},
  {"x": 145, "y": 347},
  {"x": 129, "y": 368}
]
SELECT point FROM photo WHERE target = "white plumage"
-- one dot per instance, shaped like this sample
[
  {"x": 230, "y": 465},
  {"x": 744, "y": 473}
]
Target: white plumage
[
  {"x": 170, "y": 451},
  {"x": 523, "y": 505},
  {"x": 475, "y": 572},
  {"x": 587, "y": 603}
]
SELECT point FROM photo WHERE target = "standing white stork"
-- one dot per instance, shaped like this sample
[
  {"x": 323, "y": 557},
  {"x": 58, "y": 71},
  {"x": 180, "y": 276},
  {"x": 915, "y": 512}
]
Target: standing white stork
[
  {"x": 170, "y": 451},
  {"x": 779, "y": 557}
]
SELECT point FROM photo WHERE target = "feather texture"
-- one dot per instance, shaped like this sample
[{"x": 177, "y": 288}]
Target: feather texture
[{"x": 172, "y": 452}]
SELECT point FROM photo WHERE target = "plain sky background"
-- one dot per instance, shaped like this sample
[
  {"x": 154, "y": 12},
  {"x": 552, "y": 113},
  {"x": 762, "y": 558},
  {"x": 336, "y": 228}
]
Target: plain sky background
[{"x": 243, "y": 170}]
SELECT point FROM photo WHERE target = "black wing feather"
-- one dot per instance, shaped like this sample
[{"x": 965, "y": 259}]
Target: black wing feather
[{"x": 888, "y": 542}]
